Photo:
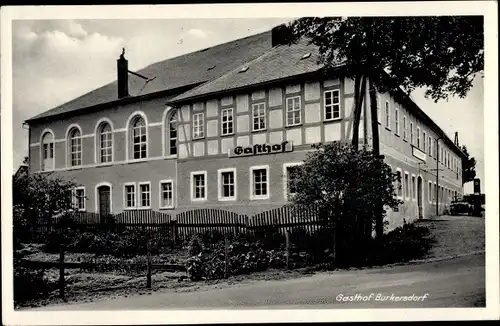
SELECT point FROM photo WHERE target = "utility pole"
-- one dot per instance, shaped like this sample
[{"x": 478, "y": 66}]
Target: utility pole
[{"x": 437, "y": 175}]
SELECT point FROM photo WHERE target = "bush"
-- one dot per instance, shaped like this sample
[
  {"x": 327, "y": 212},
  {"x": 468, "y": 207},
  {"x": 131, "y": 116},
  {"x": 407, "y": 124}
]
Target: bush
[{"x": 30, "y": 285}]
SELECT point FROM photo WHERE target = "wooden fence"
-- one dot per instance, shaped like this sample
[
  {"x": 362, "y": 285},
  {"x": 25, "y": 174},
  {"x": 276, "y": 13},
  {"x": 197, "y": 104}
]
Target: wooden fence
[{"x": 182, "y": 226}]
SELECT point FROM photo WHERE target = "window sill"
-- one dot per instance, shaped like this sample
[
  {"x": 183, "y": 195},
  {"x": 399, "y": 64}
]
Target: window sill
[
  {"x": 259, "y": 197},
  {"x": 386, "y": 128},
  {"x": 198, "y": 138},
  {"x": 167, "y": 208},
  {"x": 99, "y": 165},
  {"x": 198, "y": 199},
  {"x": 227, "y": 198},
  {"x": 137, "y": 160},
  {"x": 226, "y": 135},
  {"x": 331, "y": 120},
  {"x": 295, "y": 125},
  {"x": 130, "y": 208},
  {"x": 397, "y": 135},
  {"x": 259, "y": 130},
  {"x": 71, "y": 168},
  {"x": 145, "y": 208},
  {"x": 405, "y": 140}
]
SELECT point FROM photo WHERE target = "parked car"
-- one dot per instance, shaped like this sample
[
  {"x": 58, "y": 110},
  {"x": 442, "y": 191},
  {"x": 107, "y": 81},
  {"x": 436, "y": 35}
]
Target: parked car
[{"x": 460, "y": 207}]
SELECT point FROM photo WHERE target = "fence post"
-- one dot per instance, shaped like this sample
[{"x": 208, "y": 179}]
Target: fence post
[
  {"x": 61, "y": 272},
  {"x": 173, "y": 224},
  {"x": 149, "y": 272},
  {"x": 226, "y": 255},
  {"x": 287, "y": 238}
]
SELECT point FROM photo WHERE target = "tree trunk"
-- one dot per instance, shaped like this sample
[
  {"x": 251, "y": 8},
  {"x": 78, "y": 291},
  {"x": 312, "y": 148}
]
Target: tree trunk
[{"x": 358, "y": 102}]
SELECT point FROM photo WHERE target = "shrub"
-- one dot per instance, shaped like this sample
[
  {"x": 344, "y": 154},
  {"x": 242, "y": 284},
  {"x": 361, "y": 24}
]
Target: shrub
[{"x": 30, "y": 285}]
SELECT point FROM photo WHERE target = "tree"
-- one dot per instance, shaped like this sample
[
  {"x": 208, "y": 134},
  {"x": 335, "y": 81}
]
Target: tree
[
  {"x": 346, "y": 185},
  {"x": 468, "y": 166},
  {"x": 395, "y": 54}
]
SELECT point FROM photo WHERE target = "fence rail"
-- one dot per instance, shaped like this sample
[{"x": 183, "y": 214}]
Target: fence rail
[{"x": 184, "y": 225}]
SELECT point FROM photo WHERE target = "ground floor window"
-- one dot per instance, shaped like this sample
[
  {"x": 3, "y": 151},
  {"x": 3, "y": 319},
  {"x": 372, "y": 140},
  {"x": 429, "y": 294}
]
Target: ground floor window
[
  {"x": 198, "y": 185},
  {"x": 259, "y": 182},
  {"x": 290, "y": 174},
  {"x": 227, "y": 184},
  {"x": 79, "y": 198},
  {"x": 413, "y": 187},
  {"x": 429, "y": 192},
  {"x": 144, "y": 195},
  {"x": 129, "y": 195},
  {"x": 399, "y": 184},
  {"x": 407, "y": 185},
  {"x": 166, "y": 194}
]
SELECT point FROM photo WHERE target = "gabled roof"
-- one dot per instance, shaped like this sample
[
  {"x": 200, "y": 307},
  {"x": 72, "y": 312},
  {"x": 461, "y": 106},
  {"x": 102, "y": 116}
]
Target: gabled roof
[
  {"x": 189, "y": 69},
  {"x": 281, "y": 62}
]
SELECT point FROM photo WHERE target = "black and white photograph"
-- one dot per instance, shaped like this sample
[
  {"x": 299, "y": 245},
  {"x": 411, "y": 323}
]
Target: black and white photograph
[{"x": 249, "y": 163}]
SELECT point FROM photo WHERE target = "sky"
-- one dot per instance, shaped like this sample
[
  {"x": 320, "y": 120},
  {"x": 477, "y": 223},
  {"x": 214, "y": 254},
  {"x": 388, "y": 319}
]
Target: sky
[{"x": 55, "y": 61}]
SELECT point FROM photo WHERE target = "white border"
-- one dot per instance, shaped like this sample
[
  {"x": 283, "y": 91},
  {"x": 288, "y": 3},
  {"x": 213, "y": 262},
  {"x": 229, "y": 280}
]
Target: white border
[
  {"x": 97, "y": 141},
  {"x": 219, "y": 184},
  {"x": 84, "y": 198},
  {"x": 125, "y": 196},
  {"x": 160, "y": 194},
  {"x": 138, "y": 191},
  {"x": 68, "y": 144},
  {"x": 402, "y": 197},
  {"x": 407, "y": 186},
  {"x": 96, "y": 192},
  {"x": 128, "y": 128},
  {"x": 250, "y": 182},
  {"x": 232, "y": 121},
  {"x": 254, "y": 105},
  {"x": 44, "y": 131},
  {"x": 285, "y": 177},
  {"x": 324, "y": 104},
  {"x": 191, "y": 183},
  {"x": 286, "y": 110}
]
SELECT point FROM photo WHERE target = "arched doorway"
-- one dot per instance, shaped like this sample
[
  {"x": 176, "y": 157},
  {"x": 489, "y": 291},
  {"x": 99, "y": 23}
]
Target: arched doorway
[
  {"x": 419, "y": 198},
  {"x": 104, "y": 200}
]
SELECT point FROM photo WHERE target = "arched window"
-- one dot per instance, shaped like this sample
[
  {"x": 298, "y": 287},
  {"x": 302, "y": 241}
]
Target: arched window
[
  {"x": 172, "y": 134},
  {"x": 139, "y": 138},
  {"x": 105, "y": 143},
  {"x": 47, "y": 148},
  {"x": 75, "y": 146}
]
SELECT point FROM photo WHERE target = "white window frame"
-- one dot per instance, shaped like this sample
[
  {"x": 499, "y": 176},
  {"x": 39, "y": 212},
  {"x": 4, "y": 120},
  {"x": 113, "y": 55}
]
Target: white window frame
[
  {"x": 44, "y": 133},
  {"x": 228, "y": 123},
  {"x": 396, "y": 121},
  {"x": 424, "y": 141},
  {"x": 220, "y": 193},
  {"x": 405, "y": 128},
  {"x": 75, "y": 199},
  {"x": 387, "y": 115},
  {"x": 193, "y": 173},
  {"x": 407, "y": 183},
  {"x": 100, "y": 148},
  {"x": 168, "y": 130},
  {"x": 418, "y": 137},
  {"x": 411, "y": 132},
  {"x": 140, "y": 143},
  {"x": 160, "y": 191},
  {"x": 332, "y": 106},
  {"x": 258, "y": 106},
  {"x": 285, "y": 177},
  {"x": 429, "y": 195},
  {"x": 125, "y": 185},
  {"x": 70, "y": 146},
  {"x": 401, "y": 184},
  {"x": 413, "y": 183},
  {"x": 198, "y": 125},
  {"x": 430, "y": 146},
  {"x": 139, "y": 194},
  {"x": 293, "y": 111},
  {"x": 251, "y": 182}
]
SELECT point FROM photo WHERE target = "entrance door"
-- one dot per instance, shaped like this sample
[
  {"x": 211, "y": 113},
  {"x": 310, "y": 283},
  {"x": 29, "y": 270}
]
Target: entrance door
[
  {"x": 419, "y": 198},
  {"x": 104, "y": 200}
]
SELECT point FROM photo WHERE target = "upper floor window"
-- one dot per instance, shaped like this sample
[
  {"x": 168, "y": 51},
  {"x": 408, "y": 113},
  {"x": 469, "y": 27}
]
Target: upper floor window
[
  {"x": 405, "y": 128},
  {"x": 259, "y": 116},
  {"x": 387, "y": 115},
  {"x": 227, "y": 121},
  {"x": 139, "y": 138},
  {"x": 293, "y": 115},
  {"x": 75, "y": 146},
  {"x": 418, "y": 137},
  {"x": 47, "y": 149},
  {"x": 424, "y": 141},
  {"x": 429, "y": 140},
  {"x": 172, "y": 134},
  {"x": 411, "y": 133},
  {"x": 198, "y": 125},
  {"x": 332, "y": 104},
  {"x": 105, "y": 143},
  {"x": 396, "y": 120}
]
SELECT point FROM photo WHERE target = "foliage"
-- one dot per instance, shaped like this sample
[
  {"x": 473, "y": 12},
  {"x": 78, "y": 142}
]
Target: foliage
[
  {"x": 30, "y": 284},
  {"x": 468, "y": 166},
  {"x": 441, "y": 53},
  {"x": 195, "y": 245}
]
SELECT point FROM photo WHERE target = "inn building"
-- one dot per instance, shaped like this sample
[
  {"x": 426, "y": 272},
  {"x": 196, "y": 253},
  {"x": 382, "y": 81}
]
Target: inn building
[{"x": 224, "y": 126}]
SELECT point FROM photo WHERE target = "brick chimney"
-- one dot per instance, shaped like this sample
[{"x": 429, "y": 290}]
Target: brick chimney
[
  {"x": 281, "y": 35},
  {"x": 122, "y": 75}
]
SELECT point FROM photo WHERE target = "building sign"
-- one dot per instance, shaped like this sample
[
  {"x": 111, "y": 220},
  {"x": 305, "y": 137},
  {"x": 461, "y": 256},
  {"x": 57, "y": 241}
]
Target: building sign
[
  {"x": 477, "y": 186},
  {"x": 260, "y": 149},
  {"x": 418, "y": 153}
]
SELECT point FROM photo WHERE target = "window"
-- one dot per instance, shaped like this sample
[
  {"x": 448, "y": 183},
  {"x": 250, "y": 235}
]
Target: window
[
  {"x": 166, "y": 194},
  {"x": 139, "y": 138},
  {"x": 290, "y": 173},
  {"x": 429, "y": 192},
  {"x": 144, "y": 195},
  {"x": 227, "y": 184},
  {"x": 105, "y": 143},
  {"x": 129, "y": 195},
  {"x": 227, "y": 121},
  {"x": 47, "y": 149},
  {"x": 407, "y": 185},
  {"x": 405, "y": 128},
  {"x": 413, "y": 185},
  {"x": 429, "y": 140},
  {"x": 75, "y": 143},
  {"x": 79, "y": 198},
  {"x": 418, "y": 137},
  {"x": 436, "y": 149},
  {"x": 396, "y": 120},
  {"x": 411, "y": 133},
  {"x": 259, "y": 182},
  {"x": 198, "y": 125},
  {"x": 172, "y": 134},
  {"x": 293, "y": 114},
  {"x": 332, "y": 104},
  {"x": 399, "y": 184},
  {"x": 198, "y": 185},
  {"x": 259, "y": 116},
  {"x": 387, "y": 115},
  {"x": 441, "y": 156},
  {"x": 424, "y": 143}
]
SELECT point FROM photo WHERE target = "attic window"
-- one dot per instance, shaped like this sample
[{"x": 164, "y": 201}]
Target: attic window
[
  {"x": 305, "y": 56},
  {"x": 244, "y": 69},
  {"x": 210, "y": 68}
]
